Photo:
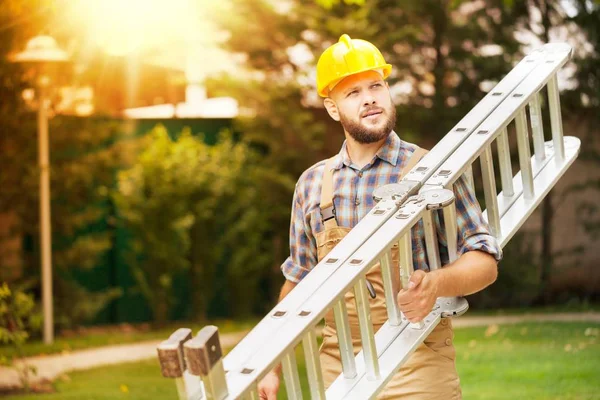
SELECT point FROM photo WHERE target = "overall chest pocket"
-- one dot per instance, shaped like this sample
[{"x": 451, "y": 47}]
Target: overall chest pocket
[{"x": 328, "y": 239}]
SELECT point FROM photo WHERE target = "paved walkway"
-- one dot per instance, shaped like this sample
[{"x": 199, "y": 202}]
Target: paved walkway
[{"x": 52, "y": 366}]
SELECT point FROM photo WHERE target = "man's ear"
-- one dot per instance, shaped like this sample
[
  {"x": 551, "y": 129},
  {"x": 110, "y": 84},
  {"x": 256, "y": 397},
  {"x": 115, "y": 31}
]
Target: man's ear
[{"x": 332, "y": 109}]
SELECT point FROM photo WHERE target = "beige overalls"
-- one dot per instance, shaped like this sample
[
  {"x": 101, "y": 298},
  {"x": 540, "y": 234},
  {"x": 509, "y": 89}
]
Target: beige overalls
[{"x": 430, "y": 373}]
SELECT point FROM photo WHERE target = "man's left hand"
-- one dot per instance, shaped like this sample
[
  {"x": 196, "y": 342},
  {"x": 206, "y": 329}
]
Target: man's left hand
[{"x": 417, "y": 301}]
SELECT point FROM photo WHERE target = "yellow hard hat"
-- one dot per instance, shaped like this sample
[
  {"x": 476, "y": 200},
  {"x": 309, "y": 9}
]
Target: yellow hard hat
[{"x": 345, "y": 58}]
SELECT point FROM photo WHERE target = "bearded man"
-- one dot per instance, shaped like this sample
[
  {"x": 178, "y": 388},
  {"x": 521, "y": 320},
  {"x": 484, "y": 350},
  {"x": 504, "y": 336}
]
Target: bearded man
[{"x": 333, "y": 195}]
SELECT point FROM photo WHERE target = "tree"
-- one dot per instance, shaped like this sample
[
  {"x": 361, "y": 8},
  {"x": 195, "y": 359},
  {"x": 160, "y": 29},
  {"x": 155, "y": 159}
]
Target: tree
[
  {"x": 436, "y": 49},
  {"x": 179, "y": 201},
  {"x": 83, "y": 159}
]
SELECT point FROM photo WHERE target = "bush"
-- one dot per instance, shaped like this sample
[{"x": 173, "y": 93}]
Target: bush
[
  {"x": 176, "y": 201},
  {"x": 19, "y": 318}
]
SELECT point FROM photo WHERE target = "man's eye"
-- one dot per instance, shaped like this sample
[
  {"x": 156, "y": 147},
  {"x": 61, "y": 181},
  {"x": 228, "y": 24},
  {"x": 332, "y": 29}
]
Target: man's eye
[
  {"x": 352, "y": 93},
  {"x": 376, "y": 85}
]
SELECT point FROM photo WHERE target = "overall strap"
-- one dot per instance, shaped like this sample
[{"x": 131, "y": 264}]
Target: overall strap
[
  {"x": 415, "y": 157},
  {"x": 327, "y": 207}
]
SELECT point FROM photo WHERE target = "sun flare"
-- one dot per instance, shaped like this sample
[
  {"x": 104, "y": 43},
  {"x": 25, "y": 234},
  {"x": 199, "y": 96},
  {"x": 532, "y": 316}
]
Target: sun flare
[{"x": 123, "y": 27}]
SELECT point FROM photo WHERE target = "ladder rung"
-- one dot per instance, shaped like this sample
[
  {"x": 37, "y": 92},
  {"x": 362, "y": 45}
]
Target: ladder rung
[
  {"x": 291, "y": 376},
  {"x": 506, "y": 174},
  {"x": 489, "y": 189},
  {"x": 537, "y": 127},
  {"x": 549, "y": 173},
  {"x": 504, "y": 201},
  {"x": 313, "y": 366},
  {"x": 406, "y": 258},
  {"x": 387, "y": 271},
  {"x": 340, "y": 314},
  {"x": 556, "y": 119},
  {"x": 431, "y": 240},
  {"x": 363, "y": 310},
  {"x": 469, "y": 178},
  {"x": 451, "y": 232},
  {"x": 524, "y": 153}
]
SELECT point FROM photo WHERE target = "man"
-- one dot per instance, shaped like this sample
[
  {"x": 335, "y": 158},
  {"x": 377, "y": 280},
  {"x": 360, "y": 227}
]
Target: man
[{"x": 350, "y": 76}]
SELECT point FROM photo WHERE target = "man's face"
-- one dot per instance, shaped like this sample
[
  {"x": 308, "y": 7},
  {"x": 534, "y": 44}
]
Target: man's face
[{"x": 364, "y": 106}]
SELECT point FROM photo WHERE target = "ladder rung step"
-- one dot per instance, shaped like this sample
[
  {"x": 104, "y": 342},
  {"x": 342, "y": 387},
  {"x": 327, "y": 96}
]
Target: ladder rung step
[{"x": 544, "y": 180}]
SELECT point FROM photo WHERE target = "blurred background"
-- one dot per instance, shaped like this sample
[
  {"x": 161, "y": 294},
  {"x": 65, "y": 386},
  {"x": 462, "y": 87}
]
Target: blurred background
[{"x": 177, "y": 130}]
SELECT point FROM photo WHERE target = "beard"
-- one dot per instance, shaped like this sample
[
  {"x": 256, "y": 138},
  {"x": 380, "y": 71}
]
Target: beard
[{"x": 364, "y": 134}]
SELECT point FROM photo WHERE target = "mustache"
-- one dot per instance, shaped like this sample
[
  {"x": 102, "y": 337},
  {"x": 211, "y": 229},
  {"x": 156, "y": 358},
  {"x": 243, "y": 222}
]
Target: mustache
[{"x": 371, "y": 109}]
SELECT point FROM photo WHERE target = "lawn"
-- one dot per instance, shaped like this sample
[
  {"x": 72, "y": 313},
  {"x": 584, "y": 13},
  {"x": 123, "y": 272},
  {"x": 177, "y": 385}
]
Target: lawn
[
  {"x": 534, "y": 361},
  {"x": 119, "y": 334},
  {"x": 126, "y": 333}
]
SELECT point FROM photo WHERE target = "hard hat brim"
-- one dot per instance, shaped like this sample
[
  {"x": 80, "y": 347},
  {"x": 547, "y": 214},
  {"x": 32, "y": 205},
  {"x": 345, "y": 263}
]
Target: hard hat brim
[{"x": 324, "y": 91}]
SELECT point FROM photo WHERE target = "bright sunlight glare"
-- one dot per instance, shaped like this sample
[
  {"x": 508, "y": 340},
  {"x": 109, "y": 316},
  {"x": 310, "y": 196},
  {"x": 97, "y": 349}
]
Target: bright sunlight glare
[{"x": 122, "y": 27}]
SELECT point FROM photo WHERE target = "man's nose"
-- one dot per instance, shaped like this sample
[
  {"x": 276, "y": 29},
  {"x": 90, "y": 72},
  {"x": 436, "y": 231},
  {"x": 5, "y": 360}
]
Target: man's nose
[{"x": 369, "y": 99}]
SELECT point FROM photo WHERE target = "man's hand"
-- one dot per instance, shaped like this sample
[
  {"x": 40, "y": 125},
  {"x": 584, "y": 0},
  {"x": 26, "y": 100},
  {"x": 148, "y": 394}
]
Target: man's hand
[
  {"x": 269, "y": 386},
  {"x": 417, "y": 301}
]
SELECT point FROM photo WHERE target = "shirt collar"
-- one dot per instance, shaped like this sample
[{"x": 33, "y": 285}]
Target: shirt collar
[{"x": 389, "y": 152}]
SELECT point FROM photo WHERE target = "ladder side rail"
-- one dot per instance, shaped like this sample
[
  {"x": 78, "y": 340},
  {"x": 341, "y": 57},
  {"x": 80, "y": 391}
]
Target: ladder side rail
[
  {"x": 278, "y": 316},
  {"x": 437, "y": 155},
  {"x": 491, "y": 128},
  {"x": 333, "y": 290},
  {"x": 427, "y": 166}
]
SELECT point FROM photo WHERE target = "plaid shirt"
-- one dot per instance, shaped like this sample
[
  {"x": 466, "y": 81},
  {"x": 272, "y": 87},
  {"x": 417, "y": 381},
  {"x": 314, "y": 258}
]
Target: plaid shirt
[{"x": 353, "y": 199}]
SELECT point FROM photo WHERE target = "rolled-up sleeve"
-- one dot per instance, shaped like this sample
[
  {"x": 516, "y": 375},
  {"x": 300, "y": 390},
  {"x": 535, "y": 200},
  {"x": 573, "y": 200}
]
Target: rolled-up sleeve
[
  {"x": 473, "y": 231},
  {"x": 303, "y": 251}
]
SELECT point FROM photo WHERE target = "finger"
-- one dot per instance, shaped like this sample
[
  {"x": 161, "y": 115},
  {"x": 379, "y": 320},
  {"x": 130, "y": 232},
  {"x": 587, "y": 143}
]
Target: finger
[
  {"x": 414, "y": 316},
  {"x": 403, "y": 297},
  {"x": 406, "y": 297},
  {"x": 415, "y": 279}
]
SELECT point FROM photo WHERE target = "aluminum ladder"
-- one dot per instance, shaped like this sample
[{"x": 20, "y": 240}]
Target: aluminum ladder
[{"x": 424, "y": 190}]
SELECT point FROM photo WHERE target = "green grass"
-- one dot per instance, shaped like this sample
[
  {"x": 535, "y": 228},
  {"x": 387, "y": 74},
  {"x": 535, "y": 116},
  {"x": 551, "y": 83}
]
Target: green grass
[
  {"x": 571, "y": 307},
  {"x": 118, "y": 335},
  {"x": 532, "y": 361},
  {"x": 104, "y": 336}
]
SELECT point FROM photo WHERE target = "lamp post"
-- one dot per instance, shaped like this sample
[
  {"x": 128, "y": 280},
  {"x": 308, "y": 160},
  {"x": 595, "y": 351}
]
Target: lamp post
[{"x": 41, "y": 52}]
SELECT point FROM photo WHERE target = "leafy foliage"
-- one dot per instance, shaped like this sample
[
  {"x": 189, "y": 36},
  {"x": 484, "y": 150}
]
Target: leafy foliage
[
  {"x": 184, "y": 203},
  {"x": 18, "y": 319}
]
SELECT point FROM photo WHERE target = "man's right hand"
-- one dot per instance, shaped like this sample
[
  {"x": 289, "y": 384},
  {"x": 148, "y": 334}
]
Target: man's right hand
[{"x": 269, "y": 386}]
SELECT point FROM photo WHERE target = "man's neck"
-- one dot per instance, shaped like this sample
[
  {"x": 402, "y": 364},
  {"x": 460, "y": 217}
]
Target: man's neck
[{"x": 362, "y": 153}]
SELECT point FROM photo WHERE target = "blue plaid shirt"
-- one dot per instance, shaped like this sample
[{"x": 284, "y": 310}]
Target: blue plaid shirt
[{"x": 353, "y": 199}]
